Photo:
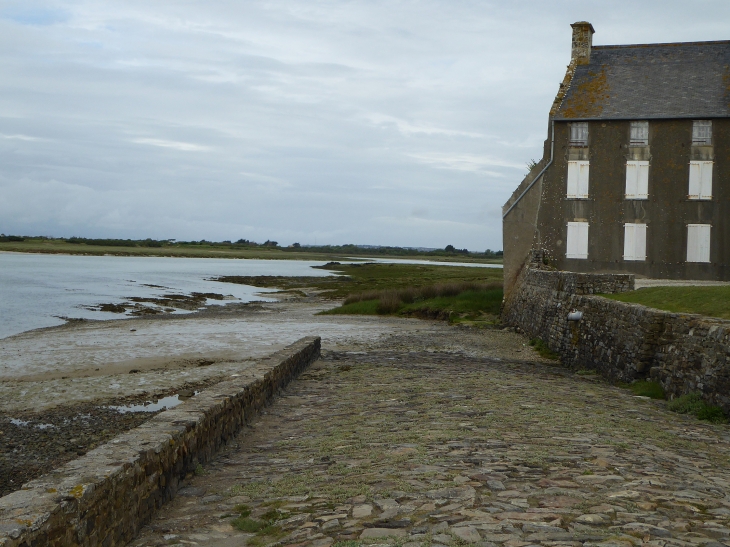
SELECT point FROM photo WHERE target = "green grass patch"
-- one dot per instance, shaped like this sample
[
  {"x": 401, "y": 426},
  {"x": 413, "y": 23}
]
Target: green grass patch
[
  {"x": 458, "y": 301},
  {"x": 246, "y": 524},
  {"x": 543, "y": 349},
  {"x": 242, "y": 510},
  {"x": 368, "y": 281},
  {"x": 469, "y": 303},
  {"x": 645, "y": 388},
  {"x": 710, "y": 301},
  {"x": 264, "y": 527},
  {"x": 365, "y": 307},
  {"x": 692, "y": 403}
]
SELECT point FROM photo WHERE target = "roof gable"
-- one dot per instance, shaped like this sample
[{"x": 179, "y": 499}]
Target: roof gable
[{"x": 683, "y": 80}]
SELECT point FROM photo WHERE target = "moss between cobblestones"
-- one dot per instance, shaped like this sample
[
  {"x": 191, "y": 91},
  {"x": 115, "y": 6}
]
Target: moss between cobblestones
[{"x": 404, "y": 426}]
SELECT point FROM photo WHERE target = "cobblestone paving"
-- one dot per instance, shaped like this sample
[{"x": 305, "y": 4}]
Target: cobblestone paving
[{"x": 408, "y": 447}]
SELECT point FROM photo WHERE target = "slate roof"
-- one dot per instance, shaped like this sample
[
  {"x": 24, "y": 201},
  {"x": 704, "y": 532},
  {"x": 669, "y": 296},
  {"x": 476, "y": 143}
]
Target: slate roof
[{"x": 683, "y": 80}]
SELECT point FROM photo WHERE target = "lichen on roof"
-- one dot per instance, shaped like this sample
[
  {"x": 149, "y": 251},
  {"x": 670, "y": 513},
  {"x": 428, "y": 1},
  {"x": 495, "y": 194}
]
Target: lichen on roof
[
  {"x": 684, "y": 80},
  {"x": 589, "y": 97}
]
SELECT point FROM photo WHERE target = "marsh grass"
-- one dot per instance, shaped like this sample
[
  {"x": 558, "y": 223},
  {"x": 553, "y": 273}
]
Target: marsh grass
[
  {"x": 456, "y": 301},
  {"x": 371, "y": 281}
]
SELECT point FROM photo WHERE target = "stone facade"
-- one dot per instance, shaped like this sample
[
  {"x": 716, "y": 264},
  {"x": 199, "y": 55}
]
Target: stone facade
[
  {"x": 686, "y": 353},
  {"x": 106, "y": 496},
  {"x": 606, "y": 91}
]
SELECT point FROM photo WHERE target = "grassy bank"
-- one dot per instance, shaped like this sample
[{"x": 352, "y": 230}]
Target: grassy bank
[
  {"x": 456, "y": 302},
  {"x": 355, "y": 279},
  {"x": 440, "y": 292},
  {"x": 710, "y": 301}
]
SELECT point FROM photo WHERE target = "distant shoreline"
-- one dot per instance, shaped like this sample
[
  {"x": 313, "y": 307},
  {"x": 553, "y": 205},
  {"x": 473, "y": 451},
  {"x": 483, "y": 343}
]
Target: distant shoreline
[{"x": 54, "y": 247}]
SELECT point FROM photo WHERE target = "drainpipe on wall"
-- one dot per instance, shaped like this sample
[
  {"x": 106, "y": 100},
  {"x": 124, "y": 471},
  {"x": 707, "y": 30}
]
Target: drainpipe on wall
[{"x": 552, "y": 149}]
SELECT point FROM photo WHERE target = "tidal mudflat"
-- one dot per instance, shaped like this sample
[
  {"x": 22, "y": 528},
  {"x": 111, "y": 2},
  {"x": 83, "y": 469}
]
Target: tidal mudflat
[{"x": 57, "y": 385}]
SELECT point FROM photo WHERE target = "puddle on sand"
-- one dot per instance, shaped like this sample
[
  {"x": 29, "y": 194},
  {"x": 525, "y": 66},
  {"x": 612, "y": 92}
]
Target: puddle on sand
[{"x": 153, "y": 406}]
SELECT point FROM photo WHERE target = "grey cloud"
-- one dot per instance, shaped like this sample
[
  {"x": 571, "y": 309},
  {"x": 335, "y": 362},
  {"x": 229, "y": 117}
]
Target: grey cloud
[{"x": 331, "y": 121}]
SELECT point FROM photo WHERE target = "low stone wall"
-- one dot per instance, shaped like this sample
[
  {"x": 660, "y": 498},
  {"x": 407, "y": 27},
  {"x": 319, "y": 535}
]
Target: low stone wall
[
  {"x": 686, "y": 353},
  {"x": 106, "y": 496}
]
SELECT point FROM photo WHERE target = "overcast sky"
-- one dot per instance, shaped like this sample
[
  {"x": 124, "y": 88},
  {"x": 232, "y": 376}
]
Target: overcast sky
[{"x": 371, "y": 122}]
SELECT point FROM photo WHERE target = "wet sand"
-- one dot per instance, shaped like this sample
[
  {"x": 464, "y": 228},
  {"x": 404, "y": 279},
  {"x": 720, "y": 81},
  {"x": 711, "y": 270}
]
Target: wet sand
[
  {"x": 57, "y": 384},
  {"x": 103, "y": 360}
]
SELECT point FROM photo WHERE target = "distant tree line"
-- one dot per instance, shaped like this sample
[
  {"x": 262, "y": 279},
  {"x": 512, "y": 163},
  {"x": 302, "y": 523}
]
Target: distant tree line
[
  {"x": 348, "y": 249},
  {"x": 449, "y": 250}
]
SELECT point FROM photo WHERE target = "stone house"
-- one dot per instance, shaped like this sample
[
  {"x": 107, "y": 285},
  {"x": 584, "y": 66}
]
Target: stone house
[{"x": 634, "y": 175}]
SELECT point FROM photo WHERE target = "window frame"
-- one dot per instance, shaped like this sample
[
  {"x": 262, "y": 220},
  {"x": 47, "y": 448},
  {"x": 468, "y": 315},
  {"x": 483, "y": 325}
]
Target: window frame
[
  {"x": 574, "y": 129},
  {"x": 699, "y": 130},
  {"x": 634, "y": 128}
]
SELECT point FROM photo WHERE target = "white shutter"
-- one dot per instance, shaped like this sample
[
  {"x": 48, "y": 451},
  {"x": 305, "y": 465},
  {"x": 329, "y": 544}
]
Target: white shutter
[
  {"x": 571, "y": 241},
  {"x": 583, "y": 231},
  {"x": 629, "y": 241},
  {"x": 692, "y": 243},
  {"x": 698, "y": 242},
  {"x": 642, "y": 182},
  {"x": 700, "y": 180},
  {"x": 634, "y": 241},
  {"x": 637, "y": 179},
  {"x": 577, "y": 240},
  {"x": 631, "y": 179},
  {"x": 572, "y": 179},
  {"x": 706, "y": 180},
  {"x": 640, "y": 247},
  {"x": 583, "y": 167},
  {"x": 577, "y": 179},
  {"x": 695, "y": 176}
]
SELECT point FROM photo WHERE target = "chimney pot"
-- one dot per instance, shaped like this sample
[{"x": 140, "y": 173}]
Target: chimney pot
[{"x": 582, "y": 42}]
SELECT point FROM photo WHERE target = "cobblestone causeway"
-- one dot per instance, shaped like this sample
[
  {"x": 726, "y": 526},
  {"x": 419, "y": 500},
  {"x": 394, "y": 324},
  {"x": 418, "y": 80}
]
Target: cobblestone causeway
[{"x": 396, "y": 445}]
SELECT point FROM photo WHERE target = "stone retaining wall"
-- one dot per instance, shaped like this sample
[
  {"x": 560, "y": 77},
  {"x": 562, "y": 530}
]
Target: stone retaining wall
[
  {"x": 106, "y": 496},
  {"x": 686, "y": 353}
]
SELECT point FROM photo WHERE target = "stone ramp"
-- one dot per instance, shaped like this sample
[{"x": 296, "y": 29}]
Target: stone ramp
[
  {"x": 104, "y": 497},
  {"x": 440, "y": 448}
]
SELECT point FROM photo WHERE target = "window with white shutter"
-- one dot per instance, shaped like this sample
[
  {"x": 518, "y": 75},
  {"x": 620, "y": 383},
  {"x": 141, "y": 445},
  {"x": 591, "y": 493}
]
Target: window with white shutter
[
  {"x": 578, "y": 173},
  {"x": 577, "y": 240},
  {"x": 634, "y": 241},
  {"x": 698, "y": 242},
  {"x": 637, "y": 179},
  {"x": 700, "y": 180}
]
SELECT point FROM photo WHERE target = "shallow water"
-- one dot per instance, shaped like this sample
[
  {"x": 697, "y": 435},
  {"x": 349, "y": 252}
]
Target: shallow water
[
  {"x": 37, "y": 290},
  {"x": 151, "y": 406}
]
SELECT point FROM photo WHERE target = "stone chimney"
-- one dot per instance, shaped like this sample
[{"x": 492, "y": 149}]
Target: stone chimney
[{"x": 582, "y": 42}]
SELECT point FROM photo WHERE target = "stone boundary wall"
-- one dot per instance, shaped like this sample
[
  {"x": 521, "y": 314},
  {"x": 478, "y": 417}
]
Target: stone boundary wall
[
  {"x": 104, "y": 497},
  {"x": 686, "y": 353}
]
